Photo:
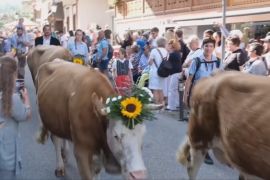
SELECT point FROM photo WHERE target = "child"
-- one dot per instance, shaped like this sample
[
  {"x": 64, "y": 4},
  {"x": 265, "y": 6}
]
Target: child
[{"x": 122, "y": 73}]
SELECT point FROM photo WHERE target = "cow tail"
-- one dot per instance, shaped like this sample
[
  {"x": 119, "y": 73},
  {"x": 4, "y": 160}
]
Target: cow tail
[
  {"x": 42, "y": 135},
  {"x": 183, "y": 153}
]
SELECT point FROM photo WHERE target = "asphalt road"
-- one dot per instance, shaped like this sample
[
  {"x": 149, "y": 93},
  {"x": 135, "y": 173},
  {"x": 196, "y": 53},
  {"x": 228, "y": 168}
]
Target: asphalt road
[{"x": 161, "y": 142}]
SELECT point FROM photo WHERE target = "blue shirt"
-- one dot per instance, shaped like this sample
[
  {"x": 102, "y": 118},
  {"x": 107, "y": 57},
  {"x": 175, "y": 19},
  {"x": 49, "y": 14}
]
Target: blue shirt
[
  {"x": 18, "y": 42},
  {"x": 205, "y": 70},
  {"x": 143, "y": 63},
  {"x": 101, "y": 45},
  {"x": 79, "y": 49}
]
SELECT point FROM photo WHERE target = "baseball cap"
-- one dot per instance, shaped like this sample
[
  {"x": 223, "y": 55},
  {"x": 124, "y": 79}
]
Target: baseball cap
[{"x": 266, "y": 39}]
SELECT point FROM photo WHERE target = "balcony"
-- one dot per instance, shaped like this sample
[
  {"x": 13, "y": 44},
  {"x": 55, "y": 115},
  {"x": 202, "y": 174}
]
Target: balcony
[{"x": 139, "y": 8}]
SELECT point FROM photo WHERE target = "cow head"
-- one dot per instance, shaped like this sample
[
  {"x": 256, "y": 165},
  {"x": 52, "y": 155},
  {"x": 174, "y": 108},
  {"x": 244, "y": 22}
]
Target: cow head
[{"x": 126, "y": 143}]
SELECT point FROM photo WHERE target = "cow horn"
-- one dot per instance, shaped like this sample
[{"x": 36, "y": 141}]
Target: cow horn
[
  {"x": 154, "y": 106},
  {"x": 103, "y": 112}
]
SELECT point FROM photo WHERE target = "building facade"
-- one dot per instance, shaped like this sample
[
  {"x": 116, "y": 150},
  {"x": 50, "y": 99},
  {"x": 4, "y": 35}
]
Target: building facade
[
  {"x": 193, "y": 16},
  {"x": 85, "y": 14}
]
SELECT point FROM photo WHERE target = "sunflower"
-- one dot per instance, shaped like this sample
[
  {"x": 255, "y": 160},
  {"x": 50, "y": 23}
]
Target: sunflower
[{"x": 131, "y": 107}]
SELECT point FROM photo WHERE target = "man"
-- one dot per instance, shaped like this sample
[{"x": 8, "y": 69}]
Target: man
[
  {"x": 236, "y": 57},
  {"x": 184, "y": 49},
  {"x": 153, "y": 39},
  {"x": 20, "y": 42},
  {"x": 47, "y": 38},
  {"x": 201, "y": 67}
]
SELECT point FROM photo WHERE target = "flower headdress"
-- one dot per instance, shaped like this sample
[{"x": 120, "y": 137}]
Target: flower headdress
[{"x": 132, "y": 110}]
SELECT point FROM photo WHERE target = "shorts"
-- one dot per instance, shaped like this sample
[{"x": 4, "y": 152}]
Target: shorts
[{"x": 103, "y": 65}]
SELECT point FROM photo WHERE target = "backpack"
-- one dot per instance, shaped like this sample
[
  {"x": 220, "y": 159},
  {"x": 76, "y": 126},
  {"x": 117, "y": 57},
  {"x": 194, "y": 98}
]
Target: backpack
[
  {"x": 110, "y": 52},
  {"x": 198, "y": 65},
  {"x": 165, "y": 67}
]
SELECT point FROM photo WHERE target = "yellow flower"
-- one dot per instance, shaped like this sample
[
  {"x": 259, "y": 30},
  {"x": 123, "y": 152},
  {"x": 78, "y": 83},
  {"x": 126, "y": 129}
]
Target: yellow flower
[{"x": 131, "y": 107}]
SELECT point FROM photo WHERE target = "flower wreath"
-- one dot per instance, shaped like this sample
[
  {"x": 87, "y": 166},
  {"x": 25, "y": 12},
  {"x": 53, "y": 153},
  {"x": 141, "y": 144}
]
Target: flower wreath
[{"x": 132, "y": 110}]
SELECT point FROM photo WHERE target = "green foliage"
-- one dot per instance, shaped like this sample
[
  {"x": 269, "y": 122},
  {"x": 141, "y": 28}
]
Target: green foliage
[{"x": 113, "y": 107}]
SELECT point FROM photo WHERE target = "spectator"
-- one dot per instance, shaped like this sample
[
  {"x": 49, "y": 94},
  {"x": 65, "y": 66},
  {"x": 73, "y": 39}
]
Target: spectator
[
  {"x": 47, "y": 38},
  {"x": 63, "y": 39},
  {"x": 195, "y": 51},
  {"x": 236, "y": 56},
  {"x": 14, "y": 110},
  {"x": 208, "y": 33},
  {"x": 154, "y": 37},
  {"x": 122, "y": 73},
  {"x": 78, "y": 48},
  {"x": 266, "y": 45},
  {"x": 134, "y": 59},
  {"x": 20, "y": 25},
  {"x": 184, "y": 49},
  {"x": 218, "y": 48},
  {"x": 175, "y": 59},
  {"x": 20, "y": 42},
  {"x": 256, "y": 64},
  {"x": 102, "y": 53},
  {"x": 156, "y": 83},
  {"x": 128, "y": 41},
  {"x": 143, "y": 63},
  {"x": 201, "y": 67},
  {"x": 144, "y": 67}
]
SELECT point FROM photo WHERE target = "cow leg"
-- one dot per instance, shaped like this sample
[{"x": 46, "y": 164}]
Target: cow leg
[
  {"x": 82, "y": 156},
  {"x": 97, "y": 166},
  {"x": 65, "y": 151},
  {"x": 197, "y": 158},
  {"x": 60, "y": 167}
]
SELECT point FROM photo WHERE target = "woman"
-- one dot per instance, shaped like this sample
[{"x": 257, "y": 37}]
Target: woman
[
  {"x": 78, "y": 48},
  {"x": 218, "y": 48},
  {"x": 14, "y": 110},
  {"x": 195, "y": 51},
  {"x": 175, "y": 59},
  {"x": 256, "y": 64},
  {"x": 156, "y": 83}
]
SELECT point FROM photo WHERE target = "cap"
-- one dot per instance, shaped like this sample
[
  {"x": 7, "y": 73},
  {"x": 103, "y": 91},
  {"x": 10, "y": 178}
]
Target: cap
[{"x": 266, "y": 39}]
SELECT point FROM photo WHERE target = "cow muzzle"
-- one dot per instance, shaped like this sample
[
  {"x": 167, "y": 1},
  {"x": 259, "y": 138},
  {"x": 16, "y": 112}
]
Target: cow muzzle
[{"x": 137, "y": 175}]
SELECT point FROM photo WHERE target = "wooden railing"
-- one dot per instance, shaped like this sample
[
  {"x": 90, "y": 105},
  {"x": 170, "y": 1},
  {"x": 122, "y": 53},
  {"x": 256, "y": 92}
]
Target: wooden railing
[{"x": 133, "y": 8}]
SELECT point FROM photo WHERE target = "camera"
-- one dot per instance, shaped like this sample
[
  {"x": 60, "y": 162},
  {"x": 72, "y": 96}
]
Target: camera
[{"x": 19, "y": 86}]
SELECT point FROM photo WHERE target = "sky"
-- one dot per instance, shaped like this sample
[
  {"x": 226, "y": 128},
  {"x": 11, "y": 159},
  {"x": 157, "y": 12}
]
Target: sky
[{"x": 5, "y": 3}]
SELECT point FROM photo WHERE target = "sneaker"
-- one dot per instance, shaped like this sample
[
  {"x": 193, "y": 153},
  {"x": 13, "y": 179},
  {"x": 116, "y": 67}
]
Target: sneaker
[{"x": 208, "y": 160}]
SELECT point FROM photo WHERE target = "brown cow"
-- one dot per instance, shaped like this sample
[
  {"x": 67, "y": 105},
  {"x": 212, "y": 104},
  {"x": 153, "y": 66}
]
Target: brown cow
[
  {"x": 37, "y": 57},
  {"x": 43, "y": 54},
  {"x": 71, "y": 98},
  {"x": 229, "y": 115}
]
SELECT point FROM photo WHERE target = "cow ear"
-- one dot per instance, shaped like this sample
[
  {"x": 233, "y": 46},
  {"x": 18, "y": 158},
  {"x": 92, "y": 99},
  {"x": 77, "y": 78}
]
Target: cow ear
[{"x": 98, "y": 103}]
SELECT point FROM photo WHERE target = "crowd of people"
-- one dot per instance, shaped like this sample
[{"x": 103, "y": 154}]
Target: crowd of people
[{"x": 143, "y": 58}]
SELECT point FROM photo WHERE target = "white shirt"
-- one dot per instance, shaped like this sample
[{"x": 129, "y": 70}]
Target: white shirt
[
  {"x": 64, "y": 41},
  {"x": 46, "y": 41}
]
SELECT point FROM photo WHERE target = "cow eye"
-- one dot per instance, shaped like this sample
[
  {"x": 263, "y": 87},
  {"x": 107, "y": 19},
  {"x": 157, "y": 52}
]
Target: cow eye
[{"x": 116, "y": 137}]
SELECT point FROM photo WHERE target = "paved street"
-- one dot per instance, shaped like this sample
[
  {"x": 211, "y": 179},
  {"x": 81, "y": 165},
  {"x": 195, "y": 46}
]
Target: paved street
[{"x": 161, "y": 142}]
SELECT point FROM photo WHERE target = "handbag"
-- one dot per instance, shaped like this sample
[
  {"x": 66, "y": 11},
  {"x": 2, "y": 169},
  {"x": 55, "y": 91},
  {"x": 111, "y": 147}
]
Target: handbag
[{"x": 165, "y": 67}]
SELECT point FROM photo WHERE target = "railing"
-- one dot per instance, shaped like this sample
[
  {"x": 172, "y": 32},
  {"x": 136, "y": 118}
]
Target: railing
[{"x": 134, "y": 8}]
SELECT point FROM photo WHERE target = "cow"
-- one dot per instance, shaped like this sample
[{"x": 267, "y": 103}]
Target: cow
[
  {"x": 36, "y": 58},
  {"x": 71, "y": 101},
  {"x": 229, "y": 116},
  {"x": 43, "y": 54}
]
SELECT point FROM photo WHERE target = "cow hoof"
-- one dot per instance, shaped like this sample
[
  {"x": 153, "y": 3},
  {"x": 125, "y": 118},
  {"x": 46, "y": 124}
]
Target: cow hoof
[{"x": 59, "y": 172}]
